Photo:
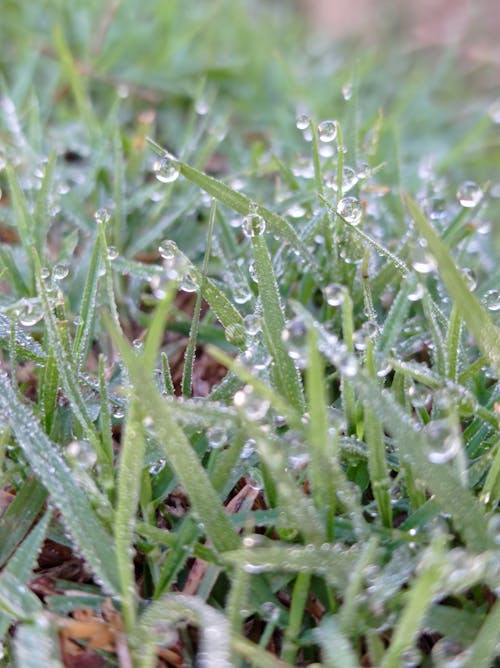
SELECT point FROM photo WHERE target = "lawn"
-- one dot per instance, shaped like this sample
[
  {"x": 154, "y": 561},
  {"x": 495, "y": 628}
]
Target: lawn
[{"x": 249, "y": 344}]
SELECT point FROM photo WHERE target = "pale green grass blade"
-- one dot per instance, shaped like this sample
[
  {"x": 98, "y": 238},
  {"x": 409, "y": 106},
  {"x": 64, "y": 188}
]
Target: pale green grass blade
[
  {"x": 330, "y": 561},
  {"x": 47, "y": 463},
  {"x": 337, "y": 651},
  {"x": 285, "y": 373},
  {"x": 41, "y": 213},
  {"x": 183, "y": 459},
  {"x": 83, "y": 334},
  {"x": 162, "y": 615},
  {"x": 23, "y": 219},
  {"x": 48, "y": 391},
  {"x": 187, "y": 372},
  {"x": 414, "y": 449},
  {"x": 128, "y": 486},
  {"x": 419, "y": 599},
  {"x": 475, "y": 316},
  {"x": 37, "y": 645},
  {"x": 484, "y": 649},
  {"x": 16, "y": 600},
  {"x": 297, "y": 607},
  {"x": 242, "y": 204}
]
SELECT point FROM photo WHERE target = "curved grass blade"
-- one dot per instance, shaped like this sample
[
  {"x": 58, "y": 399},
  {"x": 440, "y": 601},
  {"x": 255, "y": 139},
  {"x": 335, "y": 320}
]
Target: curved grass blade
[
  {"x": 183, "y": 459},
  {"x": 162, "y": 615},
  {"x": 47, "y": 463},
  {"x": 475, "y": 316},
  {"x": 286, "y": 375},
  {"x": 37, "y": 645},
  {"x": 242, "y": 204}
]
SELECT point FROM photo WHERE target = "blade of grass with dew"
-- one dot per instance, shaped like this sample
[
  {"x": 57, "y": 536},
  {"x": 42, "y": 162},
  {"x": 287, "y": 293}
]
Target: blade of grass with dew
[
  {"x": 47, "y": 463},
  {"x": 42, "y": 205},
  {"x": 16, "y": 521},
  {"x": 337, "y": 651},
  {"x": 393, "y": 323},
  {"x": 332, "y": 562},
  {"x": 484, "y": 650},
  {"x": 156, "y": 328},
  {"x": 185, "y": 537},
  {"x": 106, "y": 461},
  {"x": 214, "y": 628},
  {"x": 64, "y": 364},
  {"x": 297, "y": 607},
  {"x": 128, "y": 486},
  {"x": 167, "y": 375},
  {"x": 37, "y": 645},
  {"x": 182, "y": 458},
  {"x": 297, "y": 507},
  {"x": 83, "y": 334},
  {"x": 346, "y": 387},
  {"x": 319, "y": 441},
  {"x": 242, "y": 204},
  {"x": 439, "y": 347},
  {"x": 23, "y": 219},
  {"x": 20, "y": 565},
  {"x": 17, "y": 600},
  {"x": 419, "y": 599},
  {"x": 285, "y": 373},
  {"x": 49, "y": 387},
  {"x": 452, "y": 497},
  {"x": 187, "y": 372},
  {"x": 280, "y": 405},
  {"x": 352, "y": 594},
  {"x": 375, "y": 445},
  {"x": 474, "y": 314},
  {"x": 453, "y": 337}
]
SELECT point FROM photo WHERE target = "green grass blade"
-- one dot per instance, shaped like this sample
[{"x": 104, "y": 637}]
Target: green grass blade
[
  {"x": 19, "y": 516},
  {"x": 129, "y": 480},
  {"x": 83, "y": 334},
  {"x": 337, "y": 651},
  {"x": 286, "y": 375},
  {"x": 414, "y": 449},
  {"x": 474, "y": 314},
  {"x": 37, "y": 645},
  {"x": 243, "y": 205},
  {"x": 183, "y": 459},
  {"x": 23, "y": 561},
  {"x": 484, "y": 649},
  {"x": 47, "y": 463},
  {"x": 42, "y": 205}
]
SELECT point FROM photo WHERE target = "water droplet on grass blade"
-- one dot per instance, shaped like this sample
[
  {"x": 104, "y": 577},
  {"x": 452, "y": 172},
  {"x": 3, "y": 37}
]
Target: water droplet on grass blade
[
  {"x": 422, "y": 259},
  {"x": 30, "y": 314},
  {"x": 112, "y": 253},
  {"x": 492, "y": 300},
  {"x": 347, "y": 91},
  {"x": 469, "y": 194},
  {"x": 302, "y": 121},
  {"x": 445, "y": 442},
  {"x": 217, "y": 437},
  {"x": 334, "y": 294},
  {"x": 60, "y": 272},
  {"x": 236, "y": 334},
  {"x": 295, "y": 337},
  {"x": 470, "y": 278},
  {"x": 102, "y": 216},
  {"x": 253, "y": 225},
  {"x": 349, "y": 208},
  {"x": 494, "y": 111},
  {"x": 327, "y": 131},
  {"x": 166, "y": 169}
]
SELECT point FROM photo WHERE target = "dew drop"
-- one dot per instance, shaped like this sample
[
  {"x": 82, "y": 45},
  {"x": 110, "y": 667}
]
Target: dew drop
[
  {"x": 45, "y": 273},
  {"x": 217, "y": 437},
  {"x": 411, "y": 658},
  {"x": 167, "y": 249},
  {"x": 492, "y": 300},
  {"x": 445, "y": 443},
  {"x": 30, "y": 314},
  {"x": 253, "y": 225},
  {"x": 241, "y": 294},
  {"x": 437, "y": 208},
  {"x": 469, "y": 194},
  {"x": 349, "y": 208},
  {"x": 112, "y": 253},
  {"x": 348, "y": 365},
  {"x": 102, "y": 216},
  {"x": 327, "y": 131},
  {"x": 422, "y": 260},
  {"x": 60, "y": 272},
  {"x": 494, "y": 111},
  {"x": 295, "y": 337},
  {"x": 302, "y": 121},
  {"x": 417, "y": 293},
  {"x": 252, "y": 324},
  {"x": 334, "y": 294},
  {"x": 347, "y": 91},
  {"x": 166, "y": 169}
]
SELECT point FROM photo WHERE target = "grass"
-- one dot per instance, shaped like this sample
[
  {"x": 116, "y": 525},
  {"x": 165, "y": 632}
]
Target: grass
[{"x": 244, "y": 421}]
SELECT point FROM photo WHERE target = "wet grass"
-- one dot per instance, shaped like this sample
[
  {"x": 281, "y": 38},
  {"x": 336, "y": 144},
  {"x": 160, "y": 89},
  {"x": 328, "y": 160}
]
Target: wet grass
[{"x": 249, "y": 389}]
